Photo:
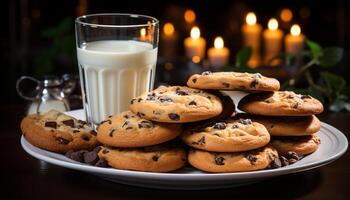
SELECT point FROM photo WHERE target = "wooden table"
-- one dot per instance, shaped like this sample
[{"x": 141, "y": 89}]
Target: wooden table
[{"x": 24, "y": 177}]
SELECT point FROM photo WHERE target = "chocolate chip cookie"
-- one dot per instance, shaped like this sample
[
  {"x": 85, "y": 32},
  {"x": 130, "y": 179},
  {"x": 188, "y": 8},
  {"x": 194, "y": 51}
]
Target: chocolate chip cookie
[
  {"x": 130, "y": 130},
  {"x": 233, "y": 81},
  {"x": 232, "y": 162},
  {"x": 58, "y": 132},
  {"x": 176, "y": 104},
  {"x": 232, "y": 135},
  {"x": 280, "y": 103},
  {"x": 288, "y": 125},
  {"x": 302, "y": 145},
  {"x": 159, "y": 158}
]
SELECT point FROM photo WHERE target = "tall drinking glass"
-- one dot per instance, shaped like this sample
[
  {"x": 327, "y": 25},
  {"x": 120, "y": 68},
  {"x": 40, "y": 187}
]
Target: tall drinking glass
[{"x": 117, "y": 56}]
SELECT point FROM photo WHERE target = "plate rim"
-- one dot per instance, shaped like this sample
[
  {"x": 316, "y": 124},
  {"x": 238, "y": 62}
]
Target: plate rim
[{"x": 193, "y": 177}]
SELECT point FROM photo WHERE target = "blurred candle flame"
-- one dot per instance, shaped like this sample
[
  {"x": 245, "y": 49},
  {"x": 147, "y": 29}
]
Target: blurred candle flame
[
  {"x": 195, "y": 32},
  {"x": 286, "y": 15},
  {"x": 168, "y": 29},
  {"x": 295, "y": 30},
  {"x": 143, "y": 32},
  {"x": 250, "y": 18},
  {"x": 273, "y": 24},
  {"x": 218, "y": 43},
  {"x": 190, "y": 16}
]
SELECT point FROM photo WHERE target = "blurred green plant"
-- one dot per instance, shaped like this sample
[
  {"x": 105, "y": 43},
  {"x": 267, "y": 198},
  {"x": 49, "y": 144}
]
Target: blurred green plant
[
  {"x": 322, "y": 84},
  {"x": 62, "y": 46},
  {"x": 241, "y": 62}
]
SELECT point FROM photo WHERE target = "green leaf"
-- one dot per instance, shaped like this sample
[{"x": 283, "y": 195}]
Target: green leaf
[
  {"x": 315, "y": 48},
  {"x": 243, "y": 56},
  {"x": 333, "y": 82},
  {"x": 330, "y": 56}
]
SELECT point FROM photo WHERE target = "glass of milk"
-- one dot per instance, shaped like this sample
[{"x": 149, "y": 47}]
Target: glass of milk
[{"x": 117, "y": 55}]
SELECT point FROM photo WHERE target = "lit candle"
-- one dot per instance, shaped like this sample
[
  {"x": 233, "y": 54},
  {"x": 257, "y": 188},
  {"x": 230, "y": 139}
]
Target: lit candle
[
  {"x": 143, "y": 35},
  {"x": 195, "y": 45},
  {"x": 251, "y": 37},
  {"x": 168, "y": 44},
  {"x": 189, "y": 16},
  {"x": 272, "y": 41},
  {"x": 294, "y": 41},
  {"x": 218, "y": 55}
]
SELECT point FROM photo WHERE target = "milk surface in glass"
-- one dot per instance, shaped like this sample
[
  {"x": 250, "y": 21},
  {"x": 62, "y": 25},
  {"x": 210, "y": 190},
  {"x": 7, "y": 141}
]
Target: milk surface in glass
[{"x": 112, "y": 73}]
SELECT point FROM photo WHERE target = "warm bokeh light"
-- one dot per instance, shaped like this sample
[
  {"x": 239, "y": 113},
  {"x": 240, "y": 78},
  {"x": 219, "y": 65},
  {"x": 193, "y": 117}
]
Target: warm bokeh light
[
  {"x": 218, "y": 43},
  {"x": 272, "y": 24},
  {"x": 295, "y": 30},
  {"x": 286, "y": 15},
  {"x": 143, "y": 32},
  {"x": 195, "y": 32},
  {"x": 196, "y": 59},
  {"x": 250, "y": 18},
  {"x": 190, "y": 16},
  {"x": 168, "y": 29}
]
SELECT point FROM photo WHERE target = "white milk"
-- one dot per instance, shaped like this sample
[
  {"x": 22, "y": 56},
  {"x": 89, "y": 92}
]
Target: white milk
[{"x": 113, "y": 72}]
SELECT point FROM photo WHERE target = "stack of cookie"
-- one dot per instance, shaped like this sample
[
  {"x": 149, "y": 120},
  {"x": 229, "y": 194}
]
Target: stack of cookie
[
  {"x": 232, "y": 144},
  {"x": 290, "y": 119},
  {"x": 139, "y": 139}
]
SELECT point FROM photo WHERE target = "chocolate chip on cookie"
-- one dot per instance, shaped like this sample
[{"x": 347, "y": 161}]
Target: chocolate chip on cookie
[
  {"x": 111, "y": 132},
  {"x": 163, "y": 99},
  {"x": 51, "y": 124},
  {"x": 62, "y": 140},
  {"x": 146, "y": 124},
  {"x": 174, "y": 116},
  {"x": 200, "y": 141},
  {"x": 192, "y": 103},
  {"x": 69, "y": 122},
  {"x": 252, "y": 158},
  {"x": 219, "y": 125},
  {"x": 180, "y": 92},
  {"x": 155, "y": 158},
  {"x": 219, "y": 160},
  {"x": 245, "y": 121}
]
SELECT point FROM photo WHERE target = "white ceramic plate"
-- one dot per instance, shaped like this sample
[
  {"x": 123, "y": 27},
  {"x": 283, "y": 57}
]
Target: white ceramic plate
[{"x": 333, "y": 145}]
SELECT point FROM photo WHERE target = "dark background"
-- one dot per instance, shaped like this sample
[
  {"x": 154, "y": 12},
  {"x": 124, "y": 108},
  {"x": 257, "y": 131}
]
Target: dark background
[{"x": 37, "y": 37}]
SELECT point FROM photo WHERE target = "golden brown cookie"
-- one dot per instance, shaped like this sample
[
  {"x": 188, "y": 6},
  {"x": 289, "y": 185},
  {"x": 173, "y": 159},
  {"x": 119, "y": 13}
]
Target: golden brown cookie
[
  {"x": 232, "y": 162},
  {"x": 228, "y": 136},
  {"x": 280, "y": 103},
  {"x": 176, "y": 104},
  {"x": 129, "y": 130},
  {"x": 301, "y": 145},
  {"x": 288, "y": 125},
  {"x": 228, "y": 108},
  {"x": 58, "y": 132},
  {"x": 159, "y": 158},
  {"x": 233, "y": 81}
]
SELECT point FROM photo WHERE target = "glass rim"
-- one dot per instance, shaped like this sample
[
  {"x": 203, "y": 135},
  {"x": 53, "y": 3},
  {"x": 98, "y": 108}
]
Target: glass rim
[{"x": 154, "y": 22}]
